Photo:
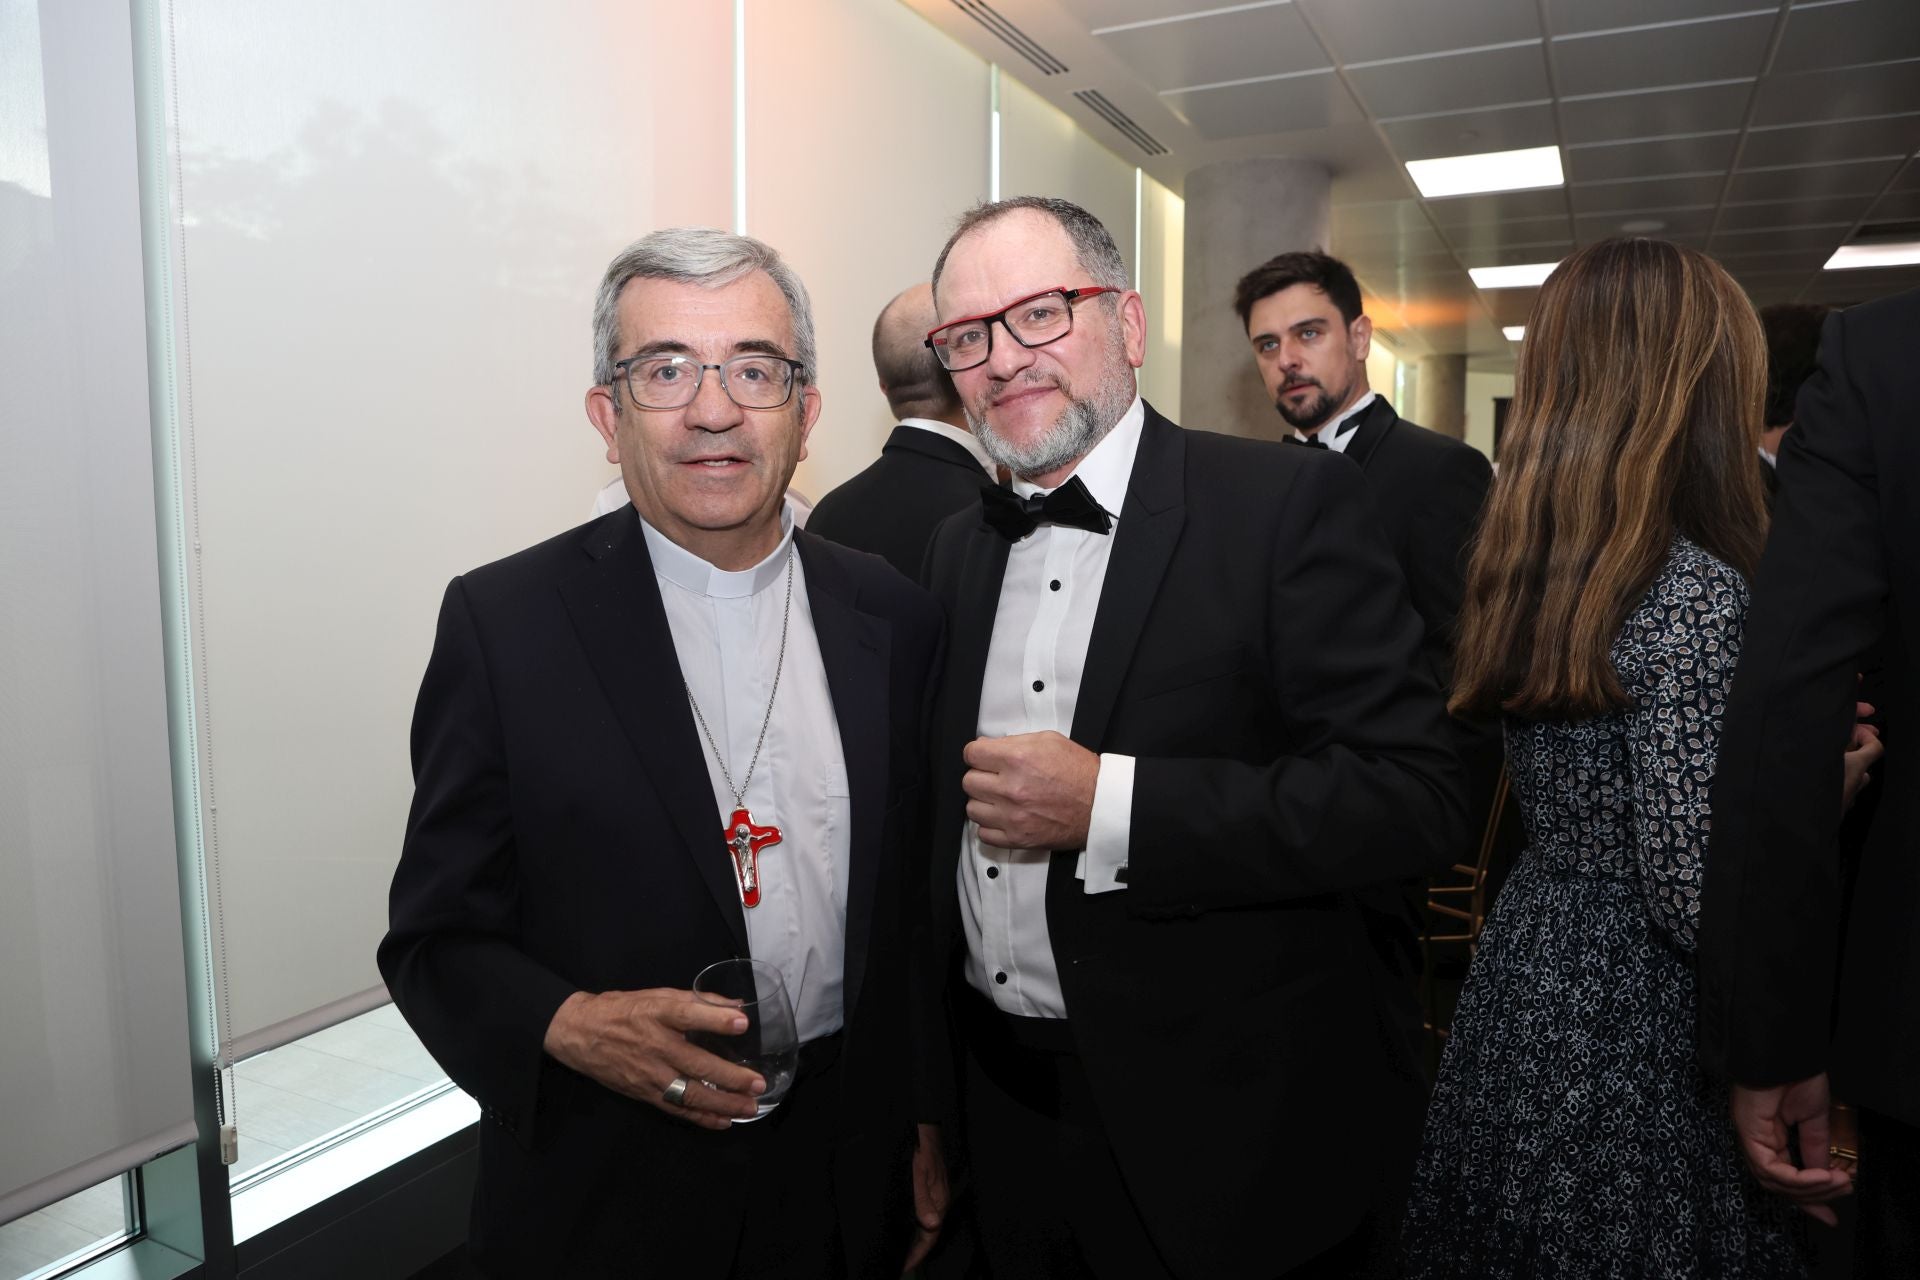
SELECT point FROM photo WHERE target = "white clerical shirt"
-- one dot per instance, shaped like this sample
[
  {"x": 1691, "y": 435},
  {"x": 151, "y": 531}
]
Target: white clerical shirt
[
  {"x": 1332, "y": 433},
  {"x": 726, "y": 632},
  {"x": 1048, "y": 599}
]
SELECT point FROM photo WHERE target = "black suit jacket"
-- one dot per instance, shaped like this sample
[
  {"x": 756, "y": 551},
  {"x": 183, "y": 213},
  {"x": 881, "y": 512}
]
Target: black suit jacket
[
  {"x": 1254, "y": 650},
  {"x": 563, "y": 837},
  {"x": 893, "y": 507},
  {"x": 1841, "y": 572},
  {"x": 1430, "y": 490}
]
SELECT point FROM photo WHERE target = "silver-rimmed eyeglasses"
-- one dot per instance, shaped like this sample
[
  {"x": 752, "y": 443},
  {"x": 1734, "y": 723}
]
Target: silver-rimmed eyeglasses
[
  {"x": 671, "y": 382},
  {"x": 1033, "y": 321}
]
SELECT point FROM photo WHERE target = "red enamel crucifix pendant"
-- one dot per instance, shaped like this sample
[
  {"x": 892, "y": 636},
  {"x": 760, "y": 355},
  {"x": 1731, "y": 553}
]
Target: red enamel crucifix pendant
[{"x": 745, "y": 840}]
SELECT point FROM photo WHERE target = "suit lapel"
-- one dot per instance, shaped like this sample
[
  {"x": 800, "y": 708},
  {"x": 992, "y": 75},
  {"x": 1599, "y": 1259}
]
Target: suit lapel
[
  {"x": 854, "y": 649},
  {"x": 1375, "y": 425},
  {"x": 970, "y": 617},
  {"x": 622, "y": 625},
  {"x": 1150, "y": 522}
]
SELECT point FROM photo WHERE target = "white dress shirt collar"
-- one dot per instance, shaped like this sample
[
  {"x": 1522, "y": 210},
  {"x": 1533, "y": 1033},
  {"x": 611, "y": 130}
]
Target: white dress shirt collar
[
  {"x": 1330, "y": 432},
  {"x": 965, "y": 439},
  {"x": 1108, "y": 465},
  {"x": 683, "y": 568}
]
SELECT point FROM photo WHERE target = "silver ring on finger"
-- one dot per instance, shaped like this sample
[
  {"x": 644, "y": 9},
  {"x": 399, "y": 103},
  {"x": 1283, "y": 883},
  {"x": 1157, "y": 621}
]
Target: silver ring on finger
[{"x": 676, "y": 1093}]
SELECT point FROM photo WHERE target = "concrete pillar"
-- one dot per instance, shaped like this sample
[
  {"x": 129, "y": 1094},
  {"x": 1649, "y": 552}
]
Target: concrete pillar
[
  {"x": 1239, "y": 213},
  {"x": 1441, "y": 397}
]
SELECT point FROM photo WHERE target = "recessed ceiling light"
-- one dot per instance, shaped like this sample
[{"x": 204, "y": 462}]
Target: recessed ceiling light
[
  {"x": 1889, "y": 253},
  {"x": 1490, "y": 171},
  {"x": 1521, "y": 277},
  {"x": 1515, "y": 332}
]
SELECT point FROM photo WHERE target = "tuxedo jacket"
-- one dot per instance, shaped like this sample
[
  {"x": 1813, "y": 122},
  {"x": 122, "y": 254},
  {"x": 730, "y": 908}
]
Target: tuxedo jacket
[
  {"x": 1429, "y": 489},
  {"x": 1253, "y": 648},
  {"x": 1789, "y": 985},
  {"x": 564, "y": 837},
  {"x": 893, "y": 507}
]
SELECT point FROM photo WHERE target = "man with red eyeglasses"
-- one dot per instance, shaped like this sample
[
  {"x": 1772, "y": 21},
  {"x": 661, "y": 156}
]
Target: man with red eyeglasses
[{"x": 1185, "y": 719}]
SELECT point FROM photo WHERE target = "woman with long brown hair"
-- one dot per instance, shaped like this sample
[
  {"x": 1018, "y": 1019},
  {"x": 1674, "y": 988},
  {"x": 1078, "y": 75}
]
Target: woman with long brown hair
[{"x": 1572, "y": 1133}]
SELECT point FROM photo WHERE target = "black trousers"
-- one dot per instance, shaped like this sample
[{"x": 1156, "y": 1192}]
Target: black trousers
[
  {"x": 1052, "y": 1202},
  {"x": 1888, "y": 1244},
  {"x": 762, "y": 1208}
]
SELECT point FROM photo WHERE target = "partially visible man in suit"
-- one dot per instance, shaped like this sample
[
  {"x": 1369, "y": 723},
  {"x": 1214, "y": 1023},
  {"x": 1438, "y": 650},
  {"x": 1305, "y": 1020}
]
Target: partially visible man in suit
[
  {"x": 680, "y": 733},
  {"x": 1310, "y": 339},
  {"x": 1185, "y": 717},
  {"x": 931, "y": 466},
  {"x": 1801, "y": 1003},
  {"x": 1793, "y": 349}
]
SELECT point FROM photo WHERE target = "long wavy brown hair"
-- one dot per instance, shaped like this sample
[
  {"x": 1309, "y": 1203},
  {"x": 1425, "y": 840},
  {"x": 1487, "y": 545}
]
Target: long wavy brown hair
[{"x": 1636, "y": 414}]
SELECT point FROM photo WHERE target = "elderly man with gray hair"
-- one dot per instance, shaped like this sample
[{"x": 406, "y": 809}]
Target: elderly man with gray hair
[{"x": 682, "y": 734}]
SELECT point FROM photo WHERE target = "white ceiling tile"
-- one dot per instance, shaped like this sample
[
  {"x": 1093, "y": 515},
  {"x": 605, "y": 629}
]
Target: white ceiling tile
[
  {"x": 1753, "y": 259},
  {"x": 1380, "y": 217},
  {"x": 1500, "y": 244},
  {"x": 1655, "y": 114},
  {"x": 1602, "y": 15},
  {"x": 1453, "y": 82},
  {"x": 1234, "y": 45},
  {"x": 1838, "y": 95},
  {"x": 1674, "y": 55},
  {"x": 1840, "y": 35},
  {"x": 1501, "y": 206},
  {"x": 1314, "y": 101},
  {"x": 1821, "y": 143},
  {"x": 1646, "y": 193},
  {"x": 1650, "y": 159},
  {"x": 1794, "y": 213},
  {"x": 1112, "y": 13},
  {"x": 1753, "y": 242},
  {"x": 1362, "y": 30},
  {"x": 1850, "y": 178},
  {"x": 1896, "y": 206},
  {"x": 1459, "y": 133},
  {"x": 1673, "y": 223}
]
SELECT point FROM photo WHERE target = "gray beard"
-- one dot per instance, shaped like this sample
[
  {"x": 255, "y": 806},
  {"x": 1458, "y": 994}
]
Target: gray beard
[{"x": 1069, "y": 439}]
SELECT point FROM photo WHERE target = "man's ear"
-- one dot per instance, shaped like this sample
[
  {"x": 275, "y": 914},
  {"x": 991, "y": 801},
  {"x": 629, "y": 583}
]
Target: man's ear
[
  {"x": 605, "y": 417},
  {"x": 809, "y": 414},
  {"x": 1360, "y": 338},
  {"x": 1133, "y": 327}
]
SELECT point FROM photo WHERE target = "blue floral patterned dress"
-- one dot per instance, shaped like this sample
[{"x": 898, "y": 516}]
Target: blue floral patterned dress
[{"x": 1572, "y": 1133}]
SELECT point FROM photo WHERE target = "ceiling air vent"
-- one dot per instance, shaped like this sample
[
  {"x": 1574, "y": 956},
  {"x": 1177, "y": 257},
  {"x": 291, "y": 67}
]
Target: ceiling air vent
[
  {"x": 1096, "y": 102},
  {"x": 1013, "y": 37}
]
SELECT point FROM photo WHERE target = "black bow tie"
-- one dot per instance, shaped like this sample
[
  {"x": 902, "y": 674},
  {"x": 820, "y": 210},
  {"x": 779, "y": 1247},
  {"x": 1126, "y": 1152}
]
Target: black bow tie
[
  {"x": 1015, "y": 517},
  {"x": 1311, "y": 442}
]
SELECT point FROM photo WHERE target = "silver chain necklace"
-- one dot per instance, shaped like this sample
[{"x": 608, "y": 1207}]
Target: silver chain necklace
[{"x": 740, "y": 792}]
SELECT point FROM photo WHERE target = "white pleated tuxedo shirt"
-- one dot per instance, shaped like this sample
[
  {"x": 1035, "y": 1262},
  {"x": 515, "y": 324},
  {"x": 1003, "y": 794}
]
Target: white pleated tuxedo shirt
[{"x": 1041, "y": 628}]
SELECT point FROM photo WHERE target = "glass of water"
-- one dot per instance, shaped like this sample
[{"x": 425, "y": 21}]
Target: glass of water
[{"x": 770, "y": 1045}]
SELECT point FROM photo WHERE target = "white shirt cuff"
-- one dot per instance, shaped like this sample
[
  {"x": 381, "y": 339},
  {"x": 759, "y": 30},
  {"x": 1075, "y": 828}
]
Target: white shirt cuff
[{"x": 1103, "y": 865}]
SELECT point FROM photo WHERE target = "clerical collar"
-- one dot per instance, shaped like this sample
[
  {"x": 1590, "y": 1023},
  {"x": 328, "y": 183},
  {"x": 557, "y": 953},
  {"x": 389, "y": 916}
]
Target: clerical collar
[
  {"x": 684, "y": 569},
  {"x": 960, "y": 436},
  {"x": 1108, "y": 465},
  {"x": 1331, "y": 431}
]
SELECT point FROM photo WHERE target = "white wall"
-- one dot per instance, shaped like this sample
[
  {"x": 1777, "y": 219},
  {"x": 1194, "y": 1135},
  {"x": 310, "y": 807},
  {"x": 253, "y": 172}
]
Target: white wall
[
  {"x": 389, "y": 263},
  {"x": 856, "y": 172},
  {"x": 1481, "y": 390},
  {"x": 1163, "y": 223}
]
